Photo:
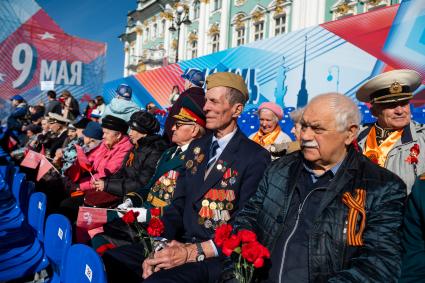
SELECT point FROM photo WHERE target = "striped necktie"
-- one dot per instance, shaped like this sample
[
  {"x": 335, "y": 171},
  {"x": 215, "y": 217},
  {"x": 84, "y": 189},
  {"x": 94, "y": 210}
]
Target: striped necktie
[{"x": 213, "y": 153}]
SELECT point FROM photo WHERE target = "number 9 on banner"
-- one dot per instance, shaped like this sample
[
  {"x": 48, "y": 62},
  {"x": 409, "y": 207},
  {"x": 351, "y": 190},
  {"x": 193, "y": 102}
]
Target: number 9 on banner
[{"x": 24, "y": 59}]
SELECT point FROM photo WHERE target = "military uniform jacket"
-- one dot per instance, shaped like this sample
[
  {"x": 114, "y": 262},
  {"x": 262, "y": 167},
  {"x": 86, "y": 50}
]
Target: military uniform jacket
[
  {"x": 232, "y": 180},
  {"x": 397, "y": 159},
  {"x": 165, "y": 166}
]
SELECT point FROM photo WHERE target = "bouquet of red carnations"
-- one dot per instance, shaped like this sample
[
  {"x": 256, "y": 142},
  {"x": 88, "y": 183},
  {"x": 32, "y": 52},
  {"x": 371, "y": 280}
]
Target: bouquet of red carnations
[
  {"x": 250, "y": 252},
  {"x": 146, "y": 236}
]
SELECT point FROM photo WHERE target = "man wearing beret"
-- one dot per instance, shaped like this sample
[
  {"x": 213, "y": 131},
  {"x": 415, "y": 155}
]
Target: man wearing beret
[
  {"x": 393, "y": 141},
  {"x": 222, "y": 172}
]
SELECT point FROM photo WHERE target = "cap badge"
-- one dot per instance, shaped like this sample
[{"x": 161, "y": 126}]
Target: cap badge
[{"x": 396, "y": 87}]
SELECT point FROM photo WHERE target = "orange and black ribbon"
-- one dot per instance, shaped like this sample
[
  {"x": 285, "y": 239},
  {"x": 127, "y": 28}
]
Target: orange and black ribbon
[{"x": 356, "y": 206}]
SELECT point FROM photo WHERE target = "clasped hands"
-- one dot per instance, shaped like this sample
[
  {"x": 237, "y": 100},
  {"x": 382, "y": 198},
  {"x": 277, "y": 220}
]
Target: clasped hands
[{"x": 174, "y": 254}]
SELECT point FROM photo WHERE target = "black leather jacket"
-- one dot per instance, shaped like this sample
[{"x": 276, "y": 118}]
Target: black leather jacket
[{"x": 331, "y": 259}]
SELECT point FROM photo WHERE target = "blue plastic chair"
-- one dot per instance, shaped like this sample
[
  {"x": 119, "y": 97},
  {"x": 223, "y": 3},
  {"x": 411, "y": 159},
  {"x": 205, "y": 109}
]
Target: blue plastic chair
[
  {"x": 37, "y": 213},
  {"x": 18, "y": 184},
  {"x": 58, "y": 239},
  {"x": 83, "y": 264}
]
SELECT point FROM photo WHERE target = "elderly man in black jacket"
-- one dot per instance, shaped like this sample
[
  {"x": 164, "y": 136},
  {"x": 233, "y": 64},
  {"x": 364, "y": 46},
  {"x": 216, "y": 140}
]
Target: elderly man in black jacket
[
  {"x": 327, "y": 213},
  {"x": 140, "y": 163}
]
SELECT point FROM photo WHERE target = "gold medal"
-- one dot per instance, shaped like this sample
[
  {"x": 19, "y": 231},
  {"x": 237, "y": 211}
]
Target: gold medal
[
  {"x": 220, "y": 206},
  {"x": 213, "y": 205},
  {"x": 200, "y": 158},
  {"x": 155, "y": 188},
  {"x": 205, "y": 202},
  {"x": 166, "y": 182},
  {"x": 150, "y": 197},
  {"x": 170, "y": 189},
  {"x": 189, "y": 164},
  {"x": 229, "y": 206},
  {"x": 166, "y": 196},
  {"x": 197, "y": 150}
]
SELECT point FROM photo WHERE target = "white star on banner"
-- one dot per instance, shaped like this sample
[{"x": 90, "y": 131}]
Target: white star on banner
[
  {"x": 2, "y": 77},
  {"x": 46, "y": 35}
]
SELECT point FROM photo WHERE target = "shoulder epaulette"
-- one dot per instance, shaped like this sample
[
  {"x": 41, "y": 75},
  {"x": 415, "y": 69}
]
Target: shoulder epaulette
[{"x": 422, "y": 177}]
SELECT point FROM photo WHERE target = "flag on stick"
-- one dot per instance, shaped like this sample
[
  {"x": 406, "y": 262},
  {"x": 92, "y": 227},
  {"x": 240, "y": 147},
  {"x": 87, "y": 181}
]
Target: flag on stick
[
  {"x": 44, "y": 167},
  {"x": 31, "y": 160}
]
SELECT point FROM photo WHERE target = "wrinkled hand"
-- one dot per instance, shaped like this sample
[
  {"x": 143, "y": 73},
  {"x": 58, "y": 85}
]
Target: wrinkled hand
[
  {"x": 99, "y": 185},
  {"x": 175, "y": 254}
]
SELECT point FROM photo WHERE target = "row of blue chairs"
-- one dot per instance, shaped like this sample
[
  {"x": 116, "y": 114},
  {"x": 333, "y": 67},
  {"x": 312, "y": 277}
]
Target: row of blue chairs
[{"x": 52, "y": 246}]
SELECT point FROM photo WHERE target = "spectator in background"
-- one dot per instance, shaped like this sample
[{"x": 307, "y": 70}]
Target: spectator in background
[
  {"x": 71, "y": 108},
  {"x": 36, "y": 118},
  {"x": 151, "y": 108},
  {"x": 121, "y": 106},
  {"x": 19, "y": 110},
  {"x": 175, "y": 93},
  {"x": 270, "y": 133},
  {"x": 394, "y": 141},
  {"x": 89, "y": 108},
  {"x": 194, "y": 80},
  {"x": 52, "y": 105},
  {"x": 139, "y": 165},
  {"x": 296, "y": 116},
  {"x": 100, "y": 104},
  {"x": 58, "y": 127},
  {"x": 106, "y": 159},
  {"x": 32, "y": 132}
]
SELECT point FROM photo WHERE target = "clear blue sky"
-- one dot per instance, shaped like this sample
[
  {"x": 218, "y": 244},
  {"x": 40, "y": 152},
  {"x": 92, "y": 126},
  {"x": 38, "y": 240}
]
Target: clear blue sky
[{"x": 97, "y": 20}]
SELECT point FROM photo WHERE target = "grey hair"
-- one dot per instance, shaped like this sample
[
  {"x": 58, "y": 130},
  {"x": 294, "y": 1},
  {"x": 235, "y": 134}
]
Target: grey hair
[
  {"x": 346, "y": 111},
  {"x": 235, "y": 96},
  {"x": 296, "y": 115},
  {"x": 201, "y": 131}
]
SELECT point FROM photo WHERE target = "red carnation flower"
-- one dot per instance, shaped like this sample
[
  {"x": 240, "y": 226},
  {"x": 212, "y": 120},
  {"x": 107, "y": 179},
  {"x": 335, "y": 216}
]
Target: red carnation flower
[
  {"x": 222, "y": 233},
  {"x": 155, "y": 211},
  {"x": 247, "y": 236},
  {"x": 255, "y": 253},
  {"x": 130, "y": 217},
  {"x": 155, "y": 227},
  {"x": 230, "y": 245}
]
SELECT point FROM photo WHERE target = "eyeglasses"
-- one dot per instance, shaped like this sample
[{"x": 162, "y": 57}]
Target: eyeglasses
[{"x": 179, "y": 124}]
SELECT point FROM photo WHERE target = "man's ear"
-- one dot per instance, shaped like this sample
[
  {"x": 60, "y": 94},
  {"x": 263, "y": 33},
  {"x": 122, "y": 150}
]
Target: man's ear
[
  {"x": 237, "y": 109},
  {"x": 351, "y": 134}
]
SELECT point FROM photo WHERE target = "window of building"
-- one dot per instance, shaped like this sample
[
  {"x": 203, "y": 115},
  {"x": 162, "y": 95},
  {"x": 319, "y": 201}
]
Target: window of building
[
  {"x": 215, "y": 42},
  {"x": 163, "y": 23},
  {"x": 147, "y": 34},
  {"x": 240, "y": 36},
  {"x": 258, "y": 31},
  {"x": 196, "y": 9},
  {"x": 194, "y": 49},
  {"x": 216, "y": 5},
  {"x": 279, "y": 24},
  {"x": 154, "y": 30}
]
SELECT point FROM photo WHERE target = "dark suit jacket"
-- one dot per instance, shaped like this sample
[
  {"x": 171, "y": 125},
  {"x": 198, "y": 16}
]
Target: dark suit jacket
[{"x": 181, "y": 217}]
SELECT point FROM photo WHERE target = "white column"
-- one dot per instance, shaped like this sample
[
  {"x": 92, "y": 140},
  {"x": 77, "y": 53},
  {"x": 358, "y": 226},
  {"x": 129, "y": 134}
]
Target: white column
[
  {"x": 224, "y": 24},
  {"x": 126, "y": 58},
  {"x": 182, "y": 42},
  {"x": 139, "y": 43},
  {"x": 167, "y": 40},
  {"x": 321, "y": 11},
  {"x": 202, "y": 29}
]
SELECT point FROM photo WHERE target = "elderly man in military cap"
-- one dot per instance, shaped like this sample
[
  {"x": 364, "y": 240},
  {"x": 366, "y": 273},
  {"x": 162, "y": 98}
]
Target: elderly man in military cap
[
  {"x": 58, "y": 127},
  {"x": 394, "y": 141},
  {"x": 222, "y": 172}
]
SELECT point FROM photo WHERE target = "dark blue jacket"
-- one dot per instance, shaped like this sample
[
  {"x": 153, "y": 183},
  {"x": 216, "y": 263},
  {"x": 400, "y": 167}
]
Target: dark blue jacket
[{"x": 181, "y": 218}]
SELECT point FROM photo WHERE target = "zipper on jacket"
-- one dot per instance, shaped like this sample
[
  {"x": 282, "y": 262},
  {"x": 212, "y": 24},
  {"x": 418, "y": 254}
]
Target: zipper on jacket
[{"x": 285, "y": 246}]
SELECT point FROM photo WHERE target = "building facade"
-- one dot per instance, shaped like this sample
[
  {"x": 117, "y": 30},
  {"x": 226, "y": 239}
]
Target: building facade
[{"x": 206, "y": 26}]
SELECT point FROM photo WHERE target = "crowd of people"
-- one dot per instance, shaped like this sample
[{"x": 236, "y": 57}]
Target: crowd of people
[{"x": 342, "y": 202}]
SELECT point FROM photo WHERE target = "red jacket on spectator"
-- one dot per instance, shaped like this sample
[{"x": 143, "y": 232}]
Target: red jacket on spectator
[{"x": 106, "y": 161}]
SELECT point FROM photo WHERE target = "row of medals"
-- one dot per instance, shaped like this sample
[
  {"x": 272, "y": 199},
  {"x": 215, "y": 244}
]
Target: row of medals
[
  {"x": 220, "y": 209},
  {"x": 165, "y": 186}
]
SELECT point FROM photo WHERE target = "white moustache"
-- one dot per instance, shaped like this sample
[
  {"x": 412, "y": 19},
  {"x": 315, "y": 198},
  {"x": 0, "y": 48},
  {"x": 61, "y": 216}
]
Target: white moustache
[{"x": 309, "y": 144}]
